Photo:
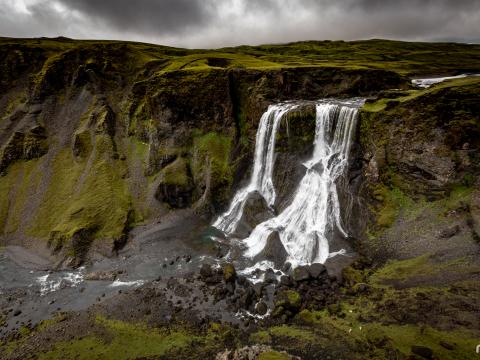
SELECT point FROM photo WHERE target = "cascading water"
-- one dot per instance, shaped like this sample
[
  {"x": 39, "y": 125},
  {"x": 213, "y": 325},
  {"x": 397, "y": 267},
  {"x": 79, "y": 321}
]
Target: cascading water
[
  {"x": 261, "y": 179},
  {"x": 305, "y": 226}
]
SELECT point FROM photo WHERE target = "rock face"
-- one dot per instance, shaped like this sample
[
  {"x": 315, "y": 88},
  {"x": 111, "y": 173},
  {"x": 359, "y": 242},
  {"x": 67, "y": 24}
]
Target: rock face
[
  {"x": 420, "y": 179},
  {"x": 138, "y": 134},
  {"x": 24, "y": 146},
  {"x": 273, "y": 251},
  {"x": 255, "y": 212},
  {"x": 176, "y": 185}
]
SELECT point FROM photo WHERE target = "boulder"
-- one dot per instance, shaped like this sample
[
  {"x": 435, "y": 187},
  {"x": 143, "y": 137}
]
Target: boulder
[
  {"x": 422, "y": 351},
  {"x": 255, "y": 211},
  {"x": 317, "y": 270},
  {"x": 206, "y": 271},
  {"x": 261, "y": 308},
  {"x": 301, "y": 273},
  {"x": 273, "y": 251},
  {"x": 270, "y": 277},
  {"x": 285, "y": 280}
]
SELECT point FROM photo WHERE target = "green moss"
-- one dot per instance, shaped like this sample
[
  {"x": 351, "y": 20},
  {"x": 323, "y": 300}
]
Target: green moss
[
  {"x": 352, "y": 276},
  {"x": 403, "y": 269},
  {"x": 406, "y": 336},
  {"x": 84, "y": 195},
  {"x": 293, "y": 333},
  {"x": 126, "y": 341},
  {"x": 45, "y": 324},
  {"x": 273, "y": 355},
  {"x": 262, "y": 337},
  {"x": 393, "y": 201},
  {"x": 176, "y": 173},
  {"x": 19, "y": 183},
  {"x": 356, "y": 324},
  {"x": 229, "y": 273},
  {"x": 211, "y": 164},
  {"x": 213, "y": 150}
]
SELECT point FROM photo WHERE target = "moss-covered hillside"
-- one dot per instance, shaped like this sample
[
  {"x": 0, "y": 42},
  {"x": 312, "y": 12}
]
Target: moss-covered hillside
[{"x": 98, "y": 136}]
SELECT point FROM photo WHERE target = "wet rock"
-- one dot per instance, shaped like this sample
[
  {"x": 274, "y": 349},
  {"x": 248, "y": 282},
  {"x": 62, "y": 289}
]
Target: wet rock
[
  {"x": 422, "y": 351},
  {"x": 317, "y": 270},
  {"x": 256, "y": 211},
  {"x": 270, "y": 277},
  {"x": 102, "y": 275},
  {"x": 301, "y": 273},
  {"x": 258, "y": 288},
  {"x": 246, "y": 299},
  {"x": 286, "y": 267},
  {"x": 285, "y": 280},
  {"x": 221, "y": 251},
  {"x": 230, "y": 287},
  {"x": 64, "y": 284},
  {"x": 241, "y": 280},
  {"x": 261, "y": 308},
  {"x": 273, "y": 251}
]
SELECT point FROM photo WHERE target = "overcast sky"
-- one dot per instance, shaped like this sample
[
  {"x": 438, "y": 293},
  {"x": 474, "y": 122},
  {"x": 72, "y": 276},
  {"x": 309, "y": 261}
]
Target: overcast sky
[{"x": 217, "y": 23}]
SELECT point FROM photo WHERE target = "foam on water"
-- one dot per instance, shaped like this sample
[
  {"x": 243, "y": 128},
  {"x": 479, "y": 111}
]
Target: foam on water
[{"x": 52, "y": 282}]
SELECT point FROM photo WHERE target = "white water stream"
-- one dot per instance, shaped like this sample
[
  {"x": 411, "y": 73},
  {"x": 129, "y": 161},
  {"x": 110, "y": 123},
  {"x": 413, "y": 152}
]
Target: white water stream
[
  {"x": 261, "y": 179},
  {"x": 313, "y": 215}
]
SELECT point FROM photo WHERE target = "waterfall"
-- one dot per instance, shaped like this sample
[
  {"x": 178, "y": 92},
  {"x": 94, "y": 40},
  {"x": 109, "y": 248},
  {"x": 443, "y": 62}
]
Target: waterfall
[
  {"x": 261, "y": 179},
  {"x": 306, "y": 225}
]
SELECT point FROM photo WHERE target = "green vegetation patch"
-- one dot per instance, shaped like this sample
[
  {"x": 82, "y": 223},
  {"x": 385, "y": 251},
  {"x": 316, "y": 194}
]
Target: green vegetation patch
[
  {"x": 83, "y": 196},
  {"x": 273, "y": 355},
  {"x": 122, "y": 341}
]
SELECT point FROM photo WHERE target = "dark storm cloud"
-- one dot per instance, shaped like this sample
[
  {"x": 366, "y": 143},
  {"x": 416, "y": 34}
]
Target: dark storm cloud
[
  {"x": 214, "y": 23},
  {"x": 162, "y": 16}
]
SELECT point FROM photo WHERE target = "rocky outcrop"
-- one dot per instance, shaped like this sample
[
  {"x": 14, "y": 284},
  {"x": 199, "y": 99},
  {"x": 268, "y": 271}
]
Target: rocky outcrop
[
  {"x": 24, "y": 146},
  {"x": 273, "y": 251},
  {"x": 256, "y": 211}
]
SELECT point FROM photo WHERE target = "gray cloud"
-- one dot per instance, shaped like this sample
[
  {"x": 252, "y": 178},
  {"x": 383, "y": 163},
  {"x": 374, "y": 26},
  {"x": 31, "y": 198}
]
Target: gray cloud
[
  {"x": 215, "y": 23},
  {"x": 148, "y": 16}
]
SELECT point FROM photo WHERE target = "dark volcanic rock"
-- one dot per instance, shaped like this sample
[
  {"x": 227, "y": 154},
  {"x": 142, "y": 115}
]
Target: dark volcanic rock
[
  {"x": 261, "y": 308},
  {"x": 422, "y": 351},
  {"x": 206, "y": 271},
  {"x": 256, "y": 211},
  {"x": 301, "y": 273},
  {"x": 273, "y": 251},
  {"x": 269, "y": 277},
  {"x": 285, "y": 280},
  {"x": 317, "y": 270}
]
